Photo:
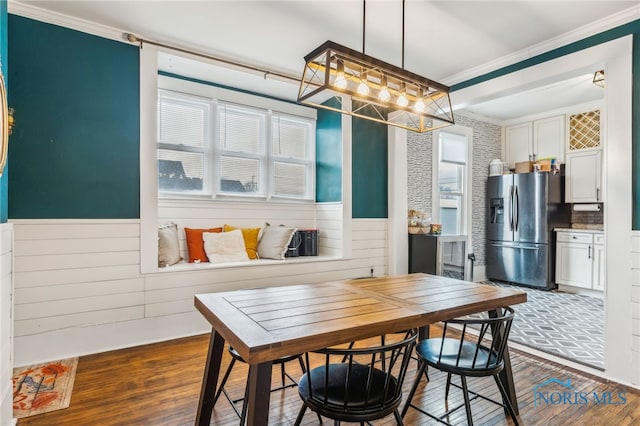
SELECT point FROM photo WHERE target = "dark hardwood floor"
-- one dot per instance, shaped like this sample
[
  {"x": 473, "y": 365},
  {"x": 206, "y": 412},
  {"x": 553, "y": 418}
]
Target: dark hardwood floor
[{"x": 159, "y": 384}]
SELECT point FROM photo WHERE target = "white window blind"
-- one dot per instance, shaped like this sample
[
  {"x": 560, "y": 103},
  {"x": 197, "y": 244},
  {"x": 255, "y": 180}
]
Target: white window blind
[
  {"x": 183, "y": 123},
  {"x": 291, "y": 151},
  {"x": 241, "y": 148}
]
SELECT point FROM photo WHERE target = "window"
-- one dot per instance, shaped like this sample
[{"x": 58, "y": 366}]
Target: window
[
  {"x": 211, "y": 147},
  {"x": 182, "y": 143},
  {"x": 451, "y": 169}
]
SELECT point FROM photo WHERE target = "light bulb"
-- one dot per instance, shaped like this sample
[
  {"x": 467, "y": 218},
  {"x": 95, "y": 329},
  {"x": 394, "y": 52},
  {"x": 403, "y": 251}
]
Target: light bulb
[
  {"x": 363, "y": 89},
  {"x": 419, "y": 106},
  {"x": 402, "y": 100},
  {"x": 341, "y": 81},
  {"x": 384, "y": 94}
]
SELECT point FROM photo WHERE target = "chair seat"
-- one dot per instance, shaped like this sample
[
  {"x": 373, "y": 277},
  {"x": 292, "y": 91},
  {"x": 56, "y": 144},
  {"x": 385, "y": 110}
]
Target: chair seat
[
  {"x": 282, "y": 360},
  {"x": 336, "y": 387},
  {"x": 444, "y": 356}
]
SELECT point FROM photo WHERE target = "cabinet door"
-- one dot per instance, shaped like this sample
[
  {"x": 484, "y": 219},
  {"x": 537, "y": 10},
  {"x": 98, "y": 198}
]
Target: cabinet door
[
  {"x": 598, "y": 267},
  {"x": 584, "y": 177},
  {"x": 548, "y": 138},
  {"x": 518, "y": 144},
  {"x": 574, "y": 264}
]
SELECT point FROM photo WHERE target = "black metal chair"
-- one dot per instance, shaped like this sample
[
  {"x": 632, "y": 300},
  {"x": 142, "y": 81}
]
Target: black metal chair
[
  {"x": 366, "y": 386},
  {"x": 235, "y": 356},
  {"x": 477, "y": 354}
]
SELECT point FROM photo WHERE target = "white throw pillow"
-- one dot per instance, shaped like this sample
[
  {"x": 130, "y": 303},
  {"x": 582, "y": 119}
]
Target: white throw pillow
[
  {"x": 274, "y": 241},
  {"x": 168, "y": 245},
  {"x": 224, "y": 246}
]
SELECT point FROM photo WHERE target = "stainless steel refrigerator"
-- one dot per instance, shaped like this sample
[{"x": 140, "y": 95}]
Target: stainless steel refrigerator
[{"x": 524, "y": 208}]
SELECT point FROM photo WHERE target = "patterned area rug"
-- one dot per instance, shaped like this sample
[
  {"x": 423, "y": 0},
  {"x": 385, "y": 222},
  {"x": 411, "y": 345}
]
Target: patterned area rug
[
  {"x": 44, "y": 387},
  {"x": 567, "y": 325}
]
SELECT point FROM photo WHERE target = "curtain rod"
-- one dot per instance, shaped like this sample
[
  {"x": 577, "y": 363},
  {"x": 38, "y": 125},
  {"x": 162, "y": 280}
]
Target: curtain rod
[{"x": 135, "y": 39}]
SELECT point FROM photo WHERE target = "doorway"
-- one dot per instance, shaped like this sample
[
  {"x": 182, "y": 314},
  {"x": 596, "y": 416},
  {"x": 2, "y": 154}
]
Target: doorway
[{"x": 615, "y": 58}]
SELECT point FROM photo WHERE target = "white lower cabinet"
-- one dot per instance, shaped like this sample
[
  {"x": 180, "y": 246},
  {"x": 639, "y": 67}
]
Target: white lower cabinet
[{"x": 580, "y": 262}]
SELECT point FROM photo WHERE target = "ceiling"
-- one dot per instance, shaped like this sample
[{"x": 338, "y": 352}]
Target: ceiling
[{"x": 443, "y": 39}]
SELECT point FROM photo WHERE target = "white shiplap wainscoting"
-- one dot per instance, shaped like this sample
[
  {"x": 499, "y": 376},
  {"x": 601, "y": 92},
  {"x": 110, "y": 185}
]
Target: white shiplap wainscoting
[
  {"x": 79, "y": 289},
  {"x": 6, "y": 324},
  {"x": 635, "y": 307}
]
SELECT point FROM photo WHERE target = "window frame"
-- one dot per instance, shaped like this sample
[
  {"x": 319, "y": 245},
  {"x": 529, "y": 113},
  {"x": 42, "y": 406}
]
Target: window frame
[
  {"x": 270, "y": 109},
  {"x": 464, "y": 193}
]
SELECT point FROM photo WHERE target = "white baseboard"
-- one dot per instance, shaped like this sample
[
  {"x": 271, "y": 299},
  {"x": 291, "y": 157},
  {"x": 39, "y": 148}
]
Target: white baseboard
[{"x": 78, "y": 341}]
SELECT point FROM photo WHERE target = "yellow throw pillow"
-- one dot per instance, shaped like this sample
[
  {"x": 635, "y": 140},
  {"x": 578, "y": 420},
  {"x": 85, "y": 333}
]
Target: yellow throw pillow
[{"x": 250, "y": 236}]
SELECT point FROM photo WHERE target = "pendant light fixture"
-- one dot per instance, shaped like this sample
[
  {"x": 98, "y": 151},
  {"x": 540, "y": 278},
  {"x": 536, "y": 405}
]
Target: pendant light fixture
[
  {"x": 598, "y": 78},
  {"x": 384, "y": 92}
]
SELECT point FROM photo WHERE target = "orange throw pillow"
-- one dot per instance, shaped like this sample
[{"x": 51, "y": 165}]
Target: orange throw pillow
[
  {"x": 195, "y": 243},
  {"x": 250, "y": 236}
]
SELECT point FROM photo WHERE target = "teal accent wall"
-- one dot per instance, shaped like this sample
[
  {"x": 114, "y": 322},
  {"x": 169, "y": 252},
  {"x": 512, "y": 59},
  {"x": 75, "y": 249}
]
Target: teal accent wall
[
  {"x": 76, "y": 145},
  {"x": 635, "y": 131},
  {"x": 4, "y": 188},
  {"x": 369, "y": 169},
  {"x": 328, "y": 156}
]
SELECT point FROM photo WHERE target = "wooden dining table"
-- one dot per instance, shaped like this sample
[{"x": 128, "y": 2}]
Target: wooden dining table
[{"x": 265, "y": 324}]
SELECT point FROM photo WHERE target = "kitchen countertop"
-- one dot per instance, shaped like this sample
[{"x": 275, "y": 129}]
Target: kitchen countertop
[{"x": 588, "y": 231}]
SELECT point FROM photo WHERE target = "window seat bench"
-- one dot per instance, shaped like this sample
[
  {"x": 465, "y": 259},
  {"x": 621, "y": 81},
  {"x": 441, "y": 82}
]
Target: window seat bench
[{"x": 188, "y": 267}]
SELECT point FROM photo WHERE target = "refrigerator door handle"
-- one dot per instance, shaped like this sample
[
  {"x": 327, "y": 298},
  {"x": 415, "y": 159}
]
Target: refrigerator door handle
[
  {"x": 516, "y": 247},
  {"x": 511, "y": 208},
  {"x": 517, "y": 209}
]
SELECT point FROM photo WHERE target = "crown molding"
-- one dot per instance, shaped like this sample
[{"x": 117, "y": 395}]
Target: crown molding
[
  {"x": 50, "y": 17},
  {"x": 580, "y": 33}
]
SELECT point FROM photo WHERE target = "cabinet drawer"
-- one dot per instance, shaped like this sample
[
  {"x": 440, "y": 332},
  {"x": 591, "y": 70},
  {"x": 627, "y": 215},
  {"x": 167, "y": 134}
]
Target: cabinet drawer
[
  {"x": 575, "y": 237},
  {"x": 598, "y": 239}
]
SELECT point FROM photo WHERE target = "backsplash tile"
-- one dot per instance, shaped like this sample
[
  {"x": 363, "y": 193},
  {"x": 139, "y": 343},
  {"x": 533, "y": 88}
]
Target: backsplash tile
[{"x": 587, "y": 217}]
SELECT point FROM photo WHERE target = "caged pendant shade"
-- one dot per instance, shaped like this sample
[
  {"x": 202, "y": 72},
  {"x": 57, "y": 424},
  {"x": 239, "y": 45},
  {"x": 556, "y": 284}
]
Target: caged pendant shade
[{"x": 386, "y": 93}]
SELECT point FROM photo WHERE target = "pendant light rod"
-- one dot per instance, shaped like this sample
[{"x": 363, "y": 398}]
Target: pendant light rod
[
  {"x": 364, "y": 22},
  {"x": 402, "y": 34}
]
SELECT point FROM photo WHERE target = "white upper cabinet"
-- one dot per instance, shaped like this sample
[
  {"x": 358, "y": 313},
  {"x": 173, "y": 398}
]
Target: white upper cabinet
[
  {"x": 535, "y": 139},
  {"x": 583, "y": 177},
  {"x": 519, "y": 143},
  {"x": 548, "y": 138}
]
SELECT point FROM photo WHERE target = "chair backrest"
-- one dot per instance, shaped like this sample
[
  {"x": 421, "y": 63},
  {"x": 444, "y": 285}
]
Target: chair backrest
[
  {"x": 360, "y": 381},
  {"x": 482, "y": 348}
]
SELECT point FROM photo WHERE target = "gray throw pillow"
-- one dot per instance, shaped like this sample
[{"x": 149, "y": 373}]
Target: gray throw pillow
[
  {"x": 274, "y": 241},
  {"x": 168, "y": 245}
]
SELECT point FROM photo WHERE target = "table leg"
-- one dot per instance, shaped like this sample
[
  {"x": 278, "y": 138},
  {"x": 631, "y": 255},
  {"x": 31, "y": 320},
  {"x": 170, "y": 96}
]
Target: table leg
[
  {"x": 210, "y": 379},
  {"x": 506, "y": 375},
  {"x": 257, "y": 398}
]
